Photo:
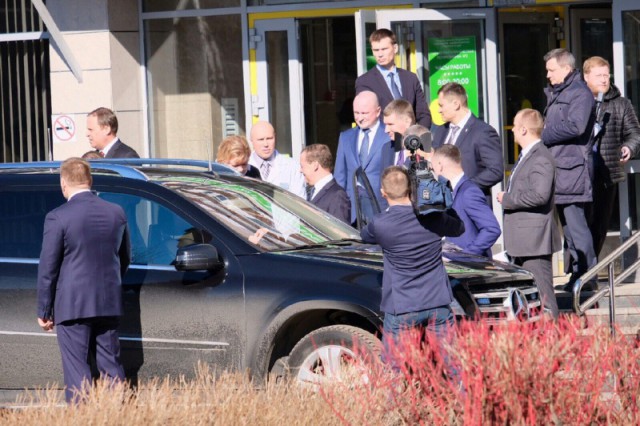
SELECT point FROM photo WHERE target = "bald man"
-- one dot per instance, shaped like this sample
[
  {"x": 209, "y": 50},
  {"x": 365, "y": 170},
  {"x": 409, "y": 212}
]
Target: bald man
[
  {"x": 274, "y": 167},
  {"x": 362, "y": 147}
]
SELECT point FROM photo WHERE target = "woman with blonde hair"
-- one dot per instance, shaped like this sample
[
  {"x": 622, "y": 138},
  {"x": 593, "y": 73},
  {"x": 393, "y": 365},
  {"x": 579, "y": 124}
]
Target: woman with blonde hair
[{"x": 234, "y": 152}]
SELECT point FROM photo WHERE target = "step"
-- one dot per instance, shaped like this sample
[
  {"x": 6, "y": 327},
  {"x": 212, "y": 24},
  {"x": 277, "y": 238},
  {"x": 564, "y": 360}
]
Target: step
[{"x": 627, "y": 318}]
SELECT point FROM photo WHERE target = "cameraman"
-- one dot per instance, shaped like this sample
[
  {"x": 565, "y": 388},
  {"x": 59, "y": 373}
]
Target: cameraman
[{"x": 415, "y": 286}]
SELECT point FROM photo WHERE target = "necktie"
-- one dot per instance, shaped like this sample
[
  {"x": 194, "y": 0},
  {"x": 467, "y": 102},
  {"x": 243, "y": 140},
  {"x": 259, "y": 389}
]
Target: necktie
[
  {"x": 394, "y": 88},
  {"x": 400, "y": 161},
  {"x": 310, "y": 191},
  {"x": 364, "y": 147},
  {"x": 453, "y": 131},
  {"x": 101, "y": 154},
  {"x": 265, "y": 168}
]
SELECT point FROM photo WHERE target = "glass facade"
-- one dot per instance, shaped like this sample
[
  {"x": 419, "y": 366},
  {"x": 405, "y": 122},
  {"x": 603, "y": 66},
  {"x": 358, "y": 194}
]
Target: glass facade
[{"x": 195, "y": 84}]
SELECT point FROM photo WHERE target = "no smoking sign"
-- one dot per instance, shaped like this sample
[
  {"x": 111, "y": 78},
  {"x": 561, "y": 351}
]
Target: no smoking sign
[{"x": 64, "y": 128}]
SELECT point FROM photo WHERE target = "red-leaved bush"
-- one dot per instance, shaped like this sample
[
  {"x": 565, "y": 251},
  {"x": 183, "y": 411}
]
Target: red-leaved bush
[{"x": 515, "y": 373}]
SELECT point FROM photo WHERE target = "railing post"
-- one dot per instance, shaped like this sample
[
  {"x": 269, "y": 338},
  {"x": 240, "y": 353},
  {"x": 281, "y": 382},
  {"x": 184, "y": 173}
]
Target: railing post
[{"x": 612, "y": 301}]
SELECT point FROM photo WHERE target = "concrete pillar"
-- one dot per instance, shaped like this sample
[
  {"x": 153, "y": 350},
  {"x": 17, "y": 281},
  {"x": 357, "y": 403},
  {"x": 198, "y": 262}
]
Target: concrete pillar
[{"x": 104, "y": 38}]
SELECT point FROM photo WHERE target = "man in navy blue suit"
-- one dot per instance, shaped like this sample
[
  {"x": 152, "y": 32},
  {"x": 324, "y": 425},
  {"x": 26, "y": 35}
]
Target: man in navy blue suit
[
  {"x": 481, "y": 228},
  {"x": 389, "y": 82},
  {"x": 478, "y": 142},
  {"x": 361, "y": 147},
  {"x": 415, "y": 287},
  {"x": 323, "y": 191},
  {"x": 102, "y": 131},
  {"x": 85, "y": 253}
]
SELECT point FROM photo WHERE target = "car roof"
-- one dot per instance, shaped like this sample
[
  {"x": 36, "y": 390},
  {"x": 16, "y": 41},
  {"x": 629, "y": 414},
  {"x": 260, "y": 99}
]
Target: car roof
[{"x": 133, "y": 168}]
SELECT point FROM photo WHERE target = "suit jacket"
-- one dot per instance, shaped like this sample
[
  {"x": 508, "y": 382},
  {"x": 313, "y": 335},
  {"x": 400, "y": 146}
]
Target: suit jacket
[
  {"x": 285, "y": 173},
  {"x": 120, "y": 150},
  {"x": 85, "y": 253},
  {"x": 414, "y": 275},
  {"x": 530, "y": 228},
  {"x": 481, "y": 151},
  {"x": 481, "y": 229},
  {"x": 348, "y": 161},
  {"x": 334, "y": 200},
  {"x": 411, "y": 92}
]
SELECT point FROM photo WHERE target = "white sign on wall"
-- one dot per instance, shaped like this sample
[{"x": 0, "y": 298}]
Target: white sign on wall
[{"x": 64, "y": 128}]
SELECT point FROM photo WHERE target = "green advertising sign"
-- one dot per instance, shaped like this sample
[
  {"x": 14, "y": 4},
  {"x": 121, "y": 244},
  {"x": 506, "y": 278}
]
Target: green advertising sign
[{"x": 453, "y": 59}]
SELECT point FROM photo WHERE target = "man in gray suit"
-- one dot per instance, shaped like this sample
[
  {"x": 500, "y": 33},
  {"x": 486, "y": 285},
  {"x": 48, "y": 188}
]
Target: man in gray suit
[{"x": 531, "y": 235}]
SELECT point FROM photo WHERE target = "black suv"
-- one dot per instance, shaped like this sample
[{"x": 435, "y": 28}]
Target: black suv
[{"x": 226, "y": 270}]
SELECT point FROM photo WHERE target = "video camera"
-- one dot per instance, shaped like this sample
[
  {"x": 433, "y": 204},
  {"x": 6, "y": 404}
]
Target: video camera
[{"x": 428, "y": 193}]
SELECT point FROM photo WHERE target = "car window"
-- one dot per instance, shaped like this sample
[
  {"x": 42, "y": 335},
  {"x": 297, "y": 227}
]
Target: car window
[
  {"x": 156, "y": 232},
  {"x": 22, "y": 221},
  {"x": 265, "y": 215}
]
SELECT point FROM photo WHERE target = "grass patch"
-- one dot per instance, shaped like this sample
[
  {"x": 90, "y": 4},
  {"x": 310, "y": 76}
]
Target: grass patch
[{"x": 516, "y": 374}]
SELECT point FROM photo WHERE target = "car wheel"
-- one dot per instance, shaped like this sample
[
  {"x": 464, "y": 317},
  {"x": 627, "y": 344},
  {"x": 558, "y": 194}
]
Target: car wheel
[{"x": 334, "y": 353}]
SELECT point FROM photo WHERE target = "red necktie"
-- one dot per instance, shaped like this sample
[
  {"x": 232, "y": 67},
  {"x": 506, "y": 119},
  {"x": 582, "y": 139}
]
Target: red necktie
[{"x": 101, "y": 154}]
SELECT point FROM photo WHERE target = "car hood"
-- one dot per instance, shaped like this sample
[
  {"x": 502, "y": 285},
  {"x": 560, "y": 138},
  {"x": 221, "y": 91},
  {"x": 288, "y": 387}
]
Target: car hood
[{"x": 467, "y": 268}]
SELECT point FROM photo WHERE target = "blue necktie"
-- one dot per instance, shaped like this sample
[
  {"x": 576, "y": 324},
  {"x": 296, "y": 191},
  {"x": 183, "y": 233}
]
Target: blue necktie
[
  {"x": 394, "y": 88},
  {"x": 364, "y": 148}
]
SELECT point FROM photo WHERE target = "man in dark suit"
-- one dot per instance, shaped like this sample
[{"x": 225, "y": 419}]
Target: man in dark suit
[
  {"x": 481, "y": 228},
  {"x": 102, "y": 129},
  {"x": 415, "y": 287},
  {"x": 478, "y": 142},
  {"x": 568, "y": 124},
  {"x": 85, "y": 253},
  {"x": 389, "y": 82},
  {"x": 531, "y": 235},
  {"x": 361, "y": 147},
  {"x": 323, "y": 191}
]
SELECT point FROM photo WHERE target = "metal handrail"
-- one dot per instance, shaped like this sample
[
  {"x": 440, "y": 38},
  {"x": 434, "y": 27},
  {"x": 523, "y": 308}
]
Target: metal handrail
[{"x": 607, "y": 262}]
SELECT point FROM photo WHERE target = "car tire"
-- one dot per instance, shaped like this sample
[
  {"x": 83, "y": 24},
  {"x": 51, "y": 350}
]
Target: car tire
[{"x": 333, "y": 353}]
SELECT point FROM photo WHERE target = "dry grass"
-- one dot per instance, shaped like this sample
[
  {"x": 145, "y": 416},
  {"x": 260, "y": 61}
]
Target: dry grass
[{"x": 547, "y": 373}]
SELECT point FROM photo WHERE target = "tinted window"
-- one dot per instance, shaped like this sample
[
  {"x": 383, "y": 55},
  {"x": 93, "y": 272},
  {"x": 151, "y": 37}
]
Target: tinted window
[
  {"x": 267, "y": 216},
  {"x": 156, "y": 232},
  {"x": 22, "y": 221}
]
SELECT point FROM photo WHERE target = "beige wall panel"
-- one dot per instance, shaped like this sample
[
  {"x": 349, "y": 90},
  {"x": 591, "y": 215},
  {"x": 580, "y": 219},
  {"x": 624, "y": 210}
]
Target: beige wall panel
[
  {"x": 69, "y": 96},
  {"x": 130, "y": 130},
  {"x": 79, "y": 15},
  {"x": 90, "y": 51},
  {"x": 188, "y": 125},
  {"x": 123, "y": 15},
  {"x": 125, "y": 71}
]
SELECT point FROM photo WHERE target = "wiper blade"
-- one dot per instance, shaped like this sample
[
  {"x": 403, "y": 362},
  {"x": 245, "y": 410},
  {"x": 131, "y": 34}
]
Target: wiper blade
[{"x": 341, "y": 242}]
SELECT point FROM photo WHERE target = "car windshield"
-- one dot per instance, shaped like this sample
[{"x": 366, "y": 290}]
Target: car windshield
[{"x": 267, "y": 216}]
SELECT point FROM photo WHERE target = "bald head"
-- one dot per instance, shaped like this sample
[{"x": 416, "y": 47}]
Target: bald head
[
  {"x": 263, "y": 139},
  {"x": 366, "y": 109}
]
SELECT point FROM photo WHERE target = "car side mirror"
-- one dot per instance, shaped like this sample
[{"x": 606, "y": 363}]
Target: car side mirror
[{"x": 197, "y": 257}]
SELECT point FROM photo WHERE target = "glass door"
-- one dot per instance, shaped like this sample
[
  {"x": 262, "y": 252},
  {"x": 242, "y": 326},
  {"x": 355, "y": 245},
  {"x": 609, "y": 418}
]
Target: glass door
[
  {"x": 279, "y": 98},
  {"x": 450, "y": 45},
  {"x": 443, "y": 46},
  {"x": 626, "y": 65}
]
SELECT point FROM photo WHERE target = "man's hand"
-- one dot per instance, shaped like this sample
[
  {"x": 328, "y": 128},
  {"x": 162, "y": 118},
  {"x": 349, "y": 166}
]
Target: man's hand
[
  {"x": 625, "y": 154},
  {"x": 499, "y": 196},
  {"x": 46, "y": 324}
]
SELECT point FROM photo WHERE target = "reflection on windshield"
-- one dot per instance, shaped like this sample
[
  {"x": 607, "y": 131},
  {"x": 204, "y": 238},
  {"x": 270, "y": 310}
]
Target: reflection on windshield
[{"x": 267, "y": 216}]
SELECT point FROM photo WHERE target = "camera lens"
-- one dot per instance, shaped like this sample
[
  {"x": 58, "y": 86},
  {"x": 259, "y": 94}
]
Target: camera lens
[{"x": 412, "y": 142}]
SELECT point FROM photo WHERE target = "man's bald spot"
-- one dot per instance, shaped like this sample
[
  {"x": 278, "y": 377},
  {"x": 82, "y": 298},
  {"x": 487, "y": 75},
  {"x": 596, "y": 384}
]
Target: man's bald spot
[
  {"x": 368, "y": 97},
  {"x": 261, "y": 127}
]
